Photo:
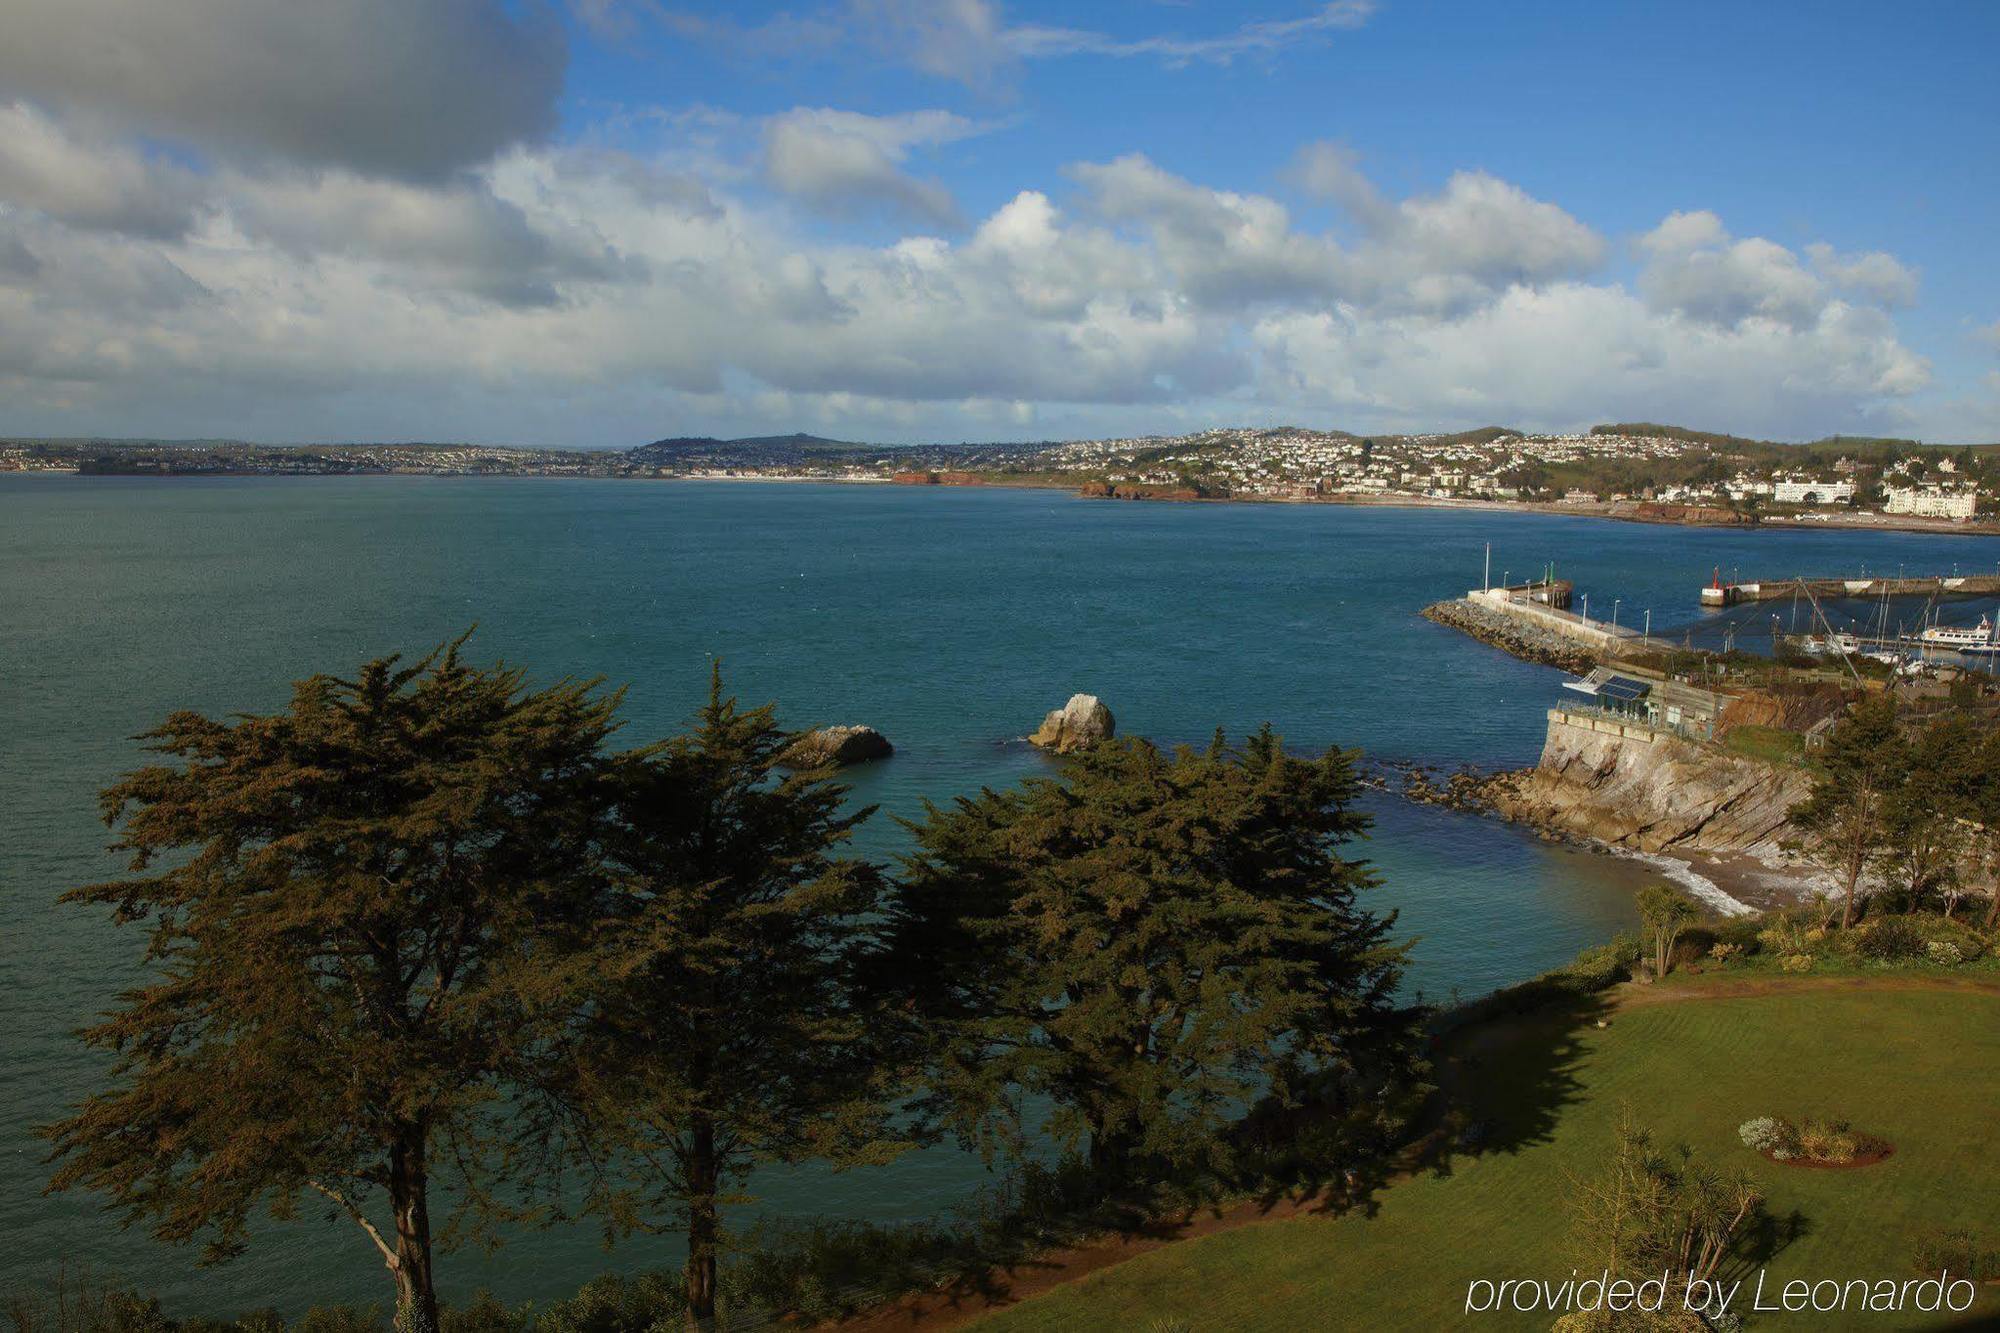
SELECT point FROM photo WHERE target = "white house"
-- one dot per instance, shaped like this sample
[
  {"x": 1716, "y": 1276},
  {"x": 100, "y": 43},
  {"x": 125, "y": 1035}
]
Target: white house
[
  {"x": 1812, "y": 492},
  {"x": 1931, "y": 502}
]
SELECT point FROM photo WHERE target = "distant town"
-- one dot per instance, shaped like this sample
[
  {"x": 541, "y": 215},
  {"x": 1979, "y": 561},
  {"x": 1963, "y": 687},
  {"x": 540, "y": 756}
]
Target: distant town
[{"x": 1638, "y": 471}]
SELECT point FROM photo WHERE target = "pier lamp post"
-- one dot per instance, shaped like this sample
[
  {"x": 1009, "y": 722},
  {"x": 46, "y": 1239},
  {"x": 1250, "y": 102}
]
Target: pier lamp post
[
  {"x": 1649, "y": 625},
  {"x": 1586, "y": 608},
  {"x": 1614, "y": 613}
]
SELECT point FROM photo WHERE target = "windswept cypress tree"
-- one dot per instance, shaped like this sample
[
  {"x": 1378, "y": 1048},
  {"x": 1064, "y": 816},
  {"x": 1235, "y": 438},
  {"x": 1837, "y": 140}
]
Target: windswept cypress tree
[
  {"x": 1152, "y": 942},
  {"x": 721, "y": 1024},
  {"x": 343, "y": 899}
]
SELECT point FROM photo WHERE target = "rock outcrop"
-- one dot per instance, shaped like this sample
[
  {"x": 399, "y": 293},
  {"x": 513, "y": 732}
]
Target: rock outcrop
[
  {"x": 1651, "y": 792},
  {"x": 1104, "y": 490},
  {"x": 836, "y": 747},
  {"x": 1077, "y": 725}
]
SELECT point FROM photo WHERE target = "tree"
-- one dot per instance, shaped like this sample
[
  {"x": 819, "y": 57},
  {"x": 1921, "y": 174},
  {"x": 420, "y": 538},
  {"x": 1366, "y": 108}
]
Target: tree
[
  {"x": 1649, "y": 1212},
  {"x": 343, "y": 898},
  {"x": 1924, "y": 815},
  {"x": 1150, "y": 942},
  {"x": 1844, "y": 816},
  {"x": 1666, "y": 912},
  {"x": 721, "y": 1024}
]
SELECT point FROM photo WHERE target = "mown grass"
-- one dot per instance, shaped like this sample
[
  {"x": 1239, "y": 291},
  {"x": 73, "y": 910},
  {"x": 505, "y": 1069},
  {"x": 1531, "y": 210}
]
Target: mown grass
[
  {"x": 1772, "y": 745},
  {"x": 1919, "y": 1067}
]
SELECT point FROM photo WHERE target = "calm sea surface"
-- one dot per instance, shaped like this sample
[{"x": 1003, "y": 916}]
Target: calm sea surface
[{"x": 950, "y": 619}]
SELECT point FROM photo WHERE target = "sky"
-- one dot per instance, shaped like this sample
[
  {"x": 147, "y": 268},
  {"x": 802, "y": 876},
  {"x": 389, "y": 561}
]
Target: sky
[{"x": 594, "y": 223}]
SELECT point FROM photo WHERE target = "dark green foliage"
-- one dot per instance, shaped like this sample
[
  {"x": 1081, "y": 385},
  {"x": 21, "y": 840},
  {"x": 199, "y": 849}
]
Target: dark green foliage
[
  {"x": 1845, "y": 818},
  {"x": 342, "y": 899},
  {"x": 1891, "y": 939},
  {"x": 719, "y": 1023},
  {"x": 1151, "y": 942}
]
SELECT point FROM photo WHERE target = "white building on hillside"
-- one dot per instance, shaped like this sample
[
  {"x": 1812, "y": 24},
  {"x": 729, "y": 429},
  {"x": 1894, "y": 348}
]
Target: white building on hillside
[
  {"x": 1812, "y": 492},
  {"x": 1931, "y": 502}
]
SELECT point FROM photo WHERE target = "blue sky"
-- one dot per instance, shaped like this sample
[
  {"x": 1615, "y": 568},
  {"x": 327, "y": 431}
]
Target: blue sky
[{"x": 939, "y": 219}]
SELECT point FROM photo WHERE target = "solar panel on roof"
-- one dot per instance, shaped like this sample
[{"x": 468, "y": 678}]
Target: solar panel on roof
[{"x": 1624, "y": 689}]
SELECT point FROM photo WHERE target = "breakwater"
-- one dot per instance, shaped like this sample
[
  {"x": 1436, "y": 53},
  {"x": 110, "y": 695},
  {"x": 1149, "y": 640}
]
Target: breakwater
[{"x": 1522, "y": 636}]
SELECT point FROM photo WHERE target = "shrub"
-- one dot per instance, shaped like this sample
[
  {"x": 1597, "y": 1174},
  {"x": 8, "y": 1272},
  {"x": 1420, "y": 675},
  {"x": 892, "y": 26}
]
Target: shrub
[
  {"x": 1724, "y": 953},
  {"x": 1944, "y": 953},
  {"x": 1768, "y": 1134},
  {"x": 1892, "y": 939},
  {"x": 1960, "y": 1251},
  {"x": 1798, "y": 962},
  {"x": 616, "y": 1304},
  {"x": 1829, "y": 1142},
  {"x": 347, "y": 1319}
]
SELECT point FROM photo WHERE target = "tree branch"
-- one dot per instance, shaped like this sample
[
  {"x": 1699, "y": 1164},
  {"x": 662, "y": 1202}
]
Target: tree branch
[{"x": 388, "y": 1254}]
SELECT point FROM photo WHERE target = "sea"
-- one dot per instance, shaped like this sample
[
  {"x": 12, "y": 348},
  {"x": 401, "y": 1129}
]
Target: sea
[{"x": 951, "y": 619}]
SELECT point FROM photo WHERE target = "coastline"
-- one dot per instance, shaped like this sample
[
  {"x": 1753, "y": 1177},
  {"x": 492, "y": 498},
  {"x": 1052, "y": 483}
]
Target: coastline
[{"x": 1614, "y": 512}]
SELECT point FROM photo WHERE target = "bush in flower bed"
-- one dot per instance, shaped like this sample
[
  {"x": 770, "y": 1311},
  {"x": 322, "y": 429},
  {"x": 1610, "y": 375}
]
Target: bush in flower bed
[
  {"x": 1960, "y": 1251},
  {"x": 1812, "y": 1142},
  {"x": 1797, "y": 962},
  {"x": 1769, "y": 1135},
  {"x": 1944, "y": 953}
]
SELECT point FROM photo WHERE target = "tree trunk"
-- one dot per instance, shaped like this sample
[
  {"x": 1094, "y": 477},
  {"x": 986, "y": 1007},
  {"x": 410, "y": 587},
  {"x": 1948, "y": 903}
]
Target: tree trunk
[
  {"x": 704, "y": 1223},
  {"x": 416, "y": 1295}
]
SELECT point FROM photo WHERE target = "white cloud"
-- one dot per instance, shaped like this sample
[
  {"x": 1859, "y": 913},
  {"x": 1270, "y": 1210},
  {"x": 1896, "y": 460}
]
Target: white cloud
[
  {"x": 971, "y": 41},
  {"x": 413, "y": 88},
  {"x": 1571, "y": 353},
  {"x": 844, "y": 161},
  {"x": 1693, "y": 267},
  {"x": 99, "y": 184},
  {"x": 572, "y": 293},
  {"x": 1873, "y": 276},
  {"x": 1262, "y": 38}
]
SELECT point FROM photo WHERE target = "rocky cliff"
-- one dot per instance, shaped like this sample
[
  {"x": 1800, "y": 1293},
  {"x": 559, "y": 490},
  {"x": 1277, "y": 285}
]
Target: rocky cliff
[{"x": 1650, "y": 792}]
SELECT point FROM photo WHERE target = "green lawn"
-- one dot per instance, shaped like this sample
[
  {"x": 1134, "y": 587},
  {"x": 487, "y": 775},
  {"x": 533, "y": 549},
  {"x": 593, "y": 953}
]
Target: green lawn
[
  {"x": 1773, "y": 745},
  {"x": 1921, "y": 1068}
]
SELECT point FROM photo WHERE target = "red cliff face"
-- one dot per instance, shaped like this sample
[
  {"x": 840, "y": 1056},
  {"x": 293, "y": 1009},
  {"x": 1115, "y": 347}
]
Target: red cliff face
[{"x": 915, "y": 478}]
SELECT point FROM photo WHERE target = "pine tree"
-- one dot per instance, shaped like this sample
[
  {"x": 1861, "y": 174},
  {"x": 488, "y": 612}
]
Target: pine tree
[
  {"x": 722, "y": 1027},
  {"x": 343, "y": 898},
  {"x": 1153, "y": 943}
]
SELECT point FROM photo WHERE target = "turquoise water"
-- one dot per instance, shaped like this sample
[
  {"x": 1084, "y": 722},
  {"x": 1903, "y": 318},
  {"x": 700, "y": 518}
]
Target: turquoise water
[{"x": 950, "y": 619}]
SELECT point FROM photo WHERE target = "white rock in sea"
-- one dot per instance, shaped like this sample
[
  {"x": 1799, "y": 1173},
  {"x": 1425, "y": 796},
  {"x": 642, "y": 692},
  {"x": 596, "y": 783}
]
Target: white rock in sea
[
  {"x": 1077, "y": 725},
  {"x": 836, "y": 747}
]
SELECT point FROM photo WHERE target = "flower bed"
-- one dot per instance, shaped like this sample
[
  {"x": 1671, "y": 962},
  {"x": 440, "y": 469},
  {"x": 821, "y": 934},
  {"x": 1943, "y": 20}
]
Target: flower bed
[{"x": 1813, "y": 1142}]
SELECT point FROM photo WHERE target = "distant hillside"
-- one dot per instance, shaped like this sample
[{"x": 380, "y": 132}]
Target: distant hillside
[
  {"x": 1859, "y": 445},
  {"x": 1710, "y": 438},
  {"x": 755, "y": 451},
  {"x": 1483, "y": 435}
]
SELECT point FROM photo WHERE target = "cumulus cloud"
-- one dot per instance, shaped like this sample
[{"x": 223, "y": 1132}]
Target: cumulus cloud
[
  {"x": 1873, "y": 276},
  {"x": 1695, "y": 268},
  {"x": 845, "y": 161},
  {"x": 1574, "y": 352},
  {"x": 91, "y": 183},
  {"x": 553, "y": 285},
  {"x": 1224, "y": 249},
  {"x": 408, "y": 88}
]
